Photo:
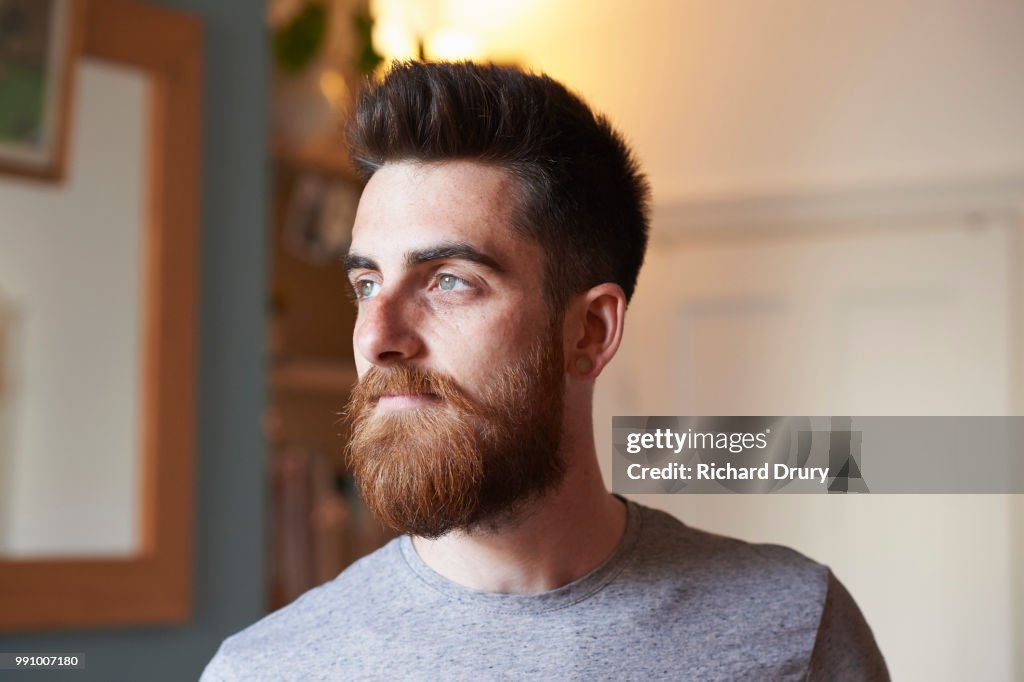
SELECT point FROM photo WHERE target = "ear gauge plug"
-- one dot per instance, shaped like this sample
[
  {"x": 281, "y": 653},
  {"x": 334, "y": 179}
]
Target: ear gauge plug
[{"x": 583, "y": 364}]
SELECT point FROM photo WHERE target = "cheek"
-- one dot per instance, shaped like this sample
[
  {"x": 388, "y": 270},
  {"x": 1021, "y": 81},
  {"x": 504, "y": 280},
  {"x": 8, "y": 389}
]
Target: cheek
[
  {"x": 513, "y": 339},
  {"x": 472, "y": 349}
]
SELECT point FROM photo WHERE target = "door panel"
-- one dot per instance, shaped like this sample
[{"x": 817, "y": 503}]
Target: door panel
[{"x": 879, "y": 319}]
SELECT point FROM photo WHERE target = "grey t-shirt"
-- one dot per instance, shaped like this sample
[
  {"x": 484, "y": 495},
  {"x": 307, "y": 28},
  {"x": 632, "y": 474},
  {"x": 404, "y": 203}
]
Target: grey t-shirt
[{"x": 672, "y": 602}]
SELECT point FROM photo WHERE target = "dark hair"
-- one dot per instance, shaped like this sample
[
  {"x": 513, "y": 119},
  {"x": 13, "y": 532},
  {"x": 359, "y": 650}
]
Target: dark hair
[{"x": 581, "y": 194}]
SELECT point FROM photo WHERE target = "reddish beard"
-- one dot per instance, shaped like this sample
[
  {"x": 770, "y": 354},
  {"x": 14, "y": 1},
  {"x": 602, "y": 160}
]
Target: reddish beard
[{"x": 457, "y": 462}]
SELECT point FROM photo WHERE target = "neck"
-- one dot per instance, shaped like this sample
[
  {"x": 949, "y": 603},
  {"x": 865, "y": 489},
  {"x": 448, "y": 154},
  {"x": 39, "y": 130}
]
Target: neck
[{"x": 563, "y": 536}]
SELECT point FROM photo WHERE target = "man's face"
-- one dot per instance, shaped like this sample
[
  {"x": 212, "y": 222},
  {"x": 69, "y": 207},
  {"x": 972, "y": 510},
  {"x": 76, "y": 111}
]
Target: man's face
[{"x": 457, "y": 418}]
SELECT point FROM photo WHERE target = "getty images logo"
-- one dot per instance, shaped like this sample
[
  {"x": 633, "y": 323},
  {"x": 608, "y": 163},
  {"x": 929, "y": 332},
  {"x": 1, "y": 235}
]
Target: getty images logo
[{"x": 829, "y": 445}]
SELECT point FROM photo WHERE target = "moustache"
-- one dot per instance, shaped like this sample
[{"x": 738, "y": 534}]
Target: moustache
[{"x": 379, "y": 382}]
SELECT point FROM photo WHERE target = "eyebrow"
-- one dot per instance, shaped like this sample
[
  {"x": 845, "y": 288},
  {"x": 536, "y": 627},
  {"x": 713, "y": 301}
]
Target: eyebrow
[
  {"x": 447, "y": 250},
  {"x": 456, "y": 250},
  {"x": 354, "y": 261}
]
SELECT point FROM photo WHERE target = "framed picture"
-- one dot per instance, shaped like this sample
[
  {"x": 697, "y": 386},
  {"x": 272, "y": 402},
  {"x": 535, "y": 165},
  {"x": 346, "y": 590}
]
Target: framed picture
[
  {"x": 38, "y": 46},
  {"x": 140, "y": 72}
]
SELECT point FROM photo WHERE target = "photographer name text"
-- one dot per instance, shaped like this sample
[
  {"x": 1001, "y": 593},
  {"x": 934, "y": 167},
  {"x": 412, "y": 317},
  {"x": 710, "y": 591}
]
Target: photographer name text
[{"x": 727, "y": 472}]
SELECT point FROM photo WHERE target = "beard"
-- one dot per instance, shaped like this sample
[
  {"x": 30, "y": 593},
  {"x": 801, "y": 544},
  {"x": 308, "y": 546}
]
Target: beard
[{"x": 460, "y": 463}]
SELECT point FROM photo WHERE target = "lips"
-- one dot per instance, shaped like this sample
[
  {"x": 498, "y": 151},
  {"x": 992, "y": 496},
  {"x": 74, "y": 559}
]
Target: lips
[{"x": 404, "y": 401}]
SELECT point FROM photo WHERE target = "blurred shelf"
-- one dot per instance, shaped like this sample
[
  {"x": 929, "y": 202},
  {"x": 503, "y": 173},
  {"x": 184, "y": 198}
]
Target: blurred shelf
[
  {"x": 312, "y": 376},
  {"x": 325, "y": 157}
]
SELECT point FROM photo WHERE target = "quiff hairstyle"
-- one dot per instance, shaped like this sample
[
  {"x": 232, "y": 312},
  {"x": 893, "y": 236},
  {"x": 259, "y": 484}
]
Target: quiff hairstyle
[{"x": 581, "y": 195}]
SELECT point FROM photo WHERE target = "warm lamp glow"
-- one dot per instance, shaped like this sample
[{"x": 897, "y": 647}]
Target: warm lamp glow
[
  {"x": 417, "y": 17},
  {"x": 445, "y": 30},
  {"x": 392, "y": 40},
  {"x": 491, "y": 16},
  {"x": 448, "y": 44}
]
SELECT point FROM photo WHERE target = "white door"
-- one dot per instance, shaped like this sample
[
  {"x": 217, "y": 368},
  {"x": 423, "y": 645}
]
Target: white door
[{"x": 902, "y": 317}]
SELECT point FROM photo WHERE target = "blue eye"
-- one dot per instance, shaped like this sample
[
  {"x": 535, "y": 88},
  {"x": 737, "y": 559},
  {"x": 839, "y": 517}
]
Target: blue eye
[
  {"x": 366, "y": 288},
  {"x": 452, "y": 283}
]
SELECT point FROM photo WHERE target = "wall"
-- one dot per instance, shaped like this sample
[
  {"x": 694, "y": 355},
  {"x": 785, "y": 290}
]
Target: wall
[
  {"x": 853, "y": 319},
  {"x": 230, "y": 545},
  {"x": 727, "y": 98}
]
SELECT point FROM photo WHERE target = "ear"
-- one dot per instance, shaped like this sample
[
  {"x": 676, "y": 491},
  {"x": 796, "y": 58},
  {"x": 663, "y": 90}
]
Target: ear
[{"x": 593, "y": 330}]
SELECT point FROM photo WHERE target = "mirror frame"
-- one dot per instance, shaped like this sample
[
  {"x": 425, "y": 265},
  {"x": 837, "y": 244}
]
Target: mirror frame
[{"x": 155, "y": 584}]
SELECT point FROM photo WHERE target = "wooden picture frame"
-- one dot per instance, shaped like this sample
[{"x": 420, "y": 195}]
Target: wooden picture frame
[
  {"x": 39, "y": 43},
  {"x": 154, "y": 585}
]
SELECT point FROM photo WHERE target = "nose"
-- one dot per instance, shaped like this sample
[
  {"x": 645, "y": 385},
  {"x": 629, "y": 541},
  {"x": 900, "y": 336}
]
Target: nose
[{"x": 385, "y": 331}]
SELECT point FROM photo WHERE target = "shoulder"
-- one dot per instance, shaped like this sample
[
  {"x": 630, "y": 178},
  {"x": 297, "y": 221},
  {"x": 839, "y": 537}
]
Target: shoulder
[
  {"x": 775, "y": 596},
  {"x": 666, "y": 538},
  {"x": 726, "y": 568},
  {"x": 299, "y": 628},
  {"x": 845, "y": 647}
]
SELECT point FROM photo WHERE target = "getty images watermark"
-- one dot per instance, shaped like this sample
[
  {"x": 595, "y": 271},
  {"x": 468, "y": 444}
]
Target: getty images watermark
[{"x": 818, "y": 454}]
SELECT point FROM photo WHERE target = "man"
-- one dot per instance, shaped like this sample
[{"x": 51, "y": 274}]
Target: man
[{"x": 496, "y": 246}]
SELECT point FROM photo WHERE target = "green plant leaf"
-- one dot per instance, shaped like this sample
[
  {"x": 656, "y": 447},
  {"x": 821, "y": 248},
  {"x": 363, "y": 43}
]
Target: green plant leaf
[{"x": 297, "y": 43}]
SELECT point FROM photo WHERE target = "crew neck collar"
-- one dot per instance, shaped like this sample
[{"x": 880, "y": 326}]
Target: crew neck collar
[{"x": 561, "y": 597}]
